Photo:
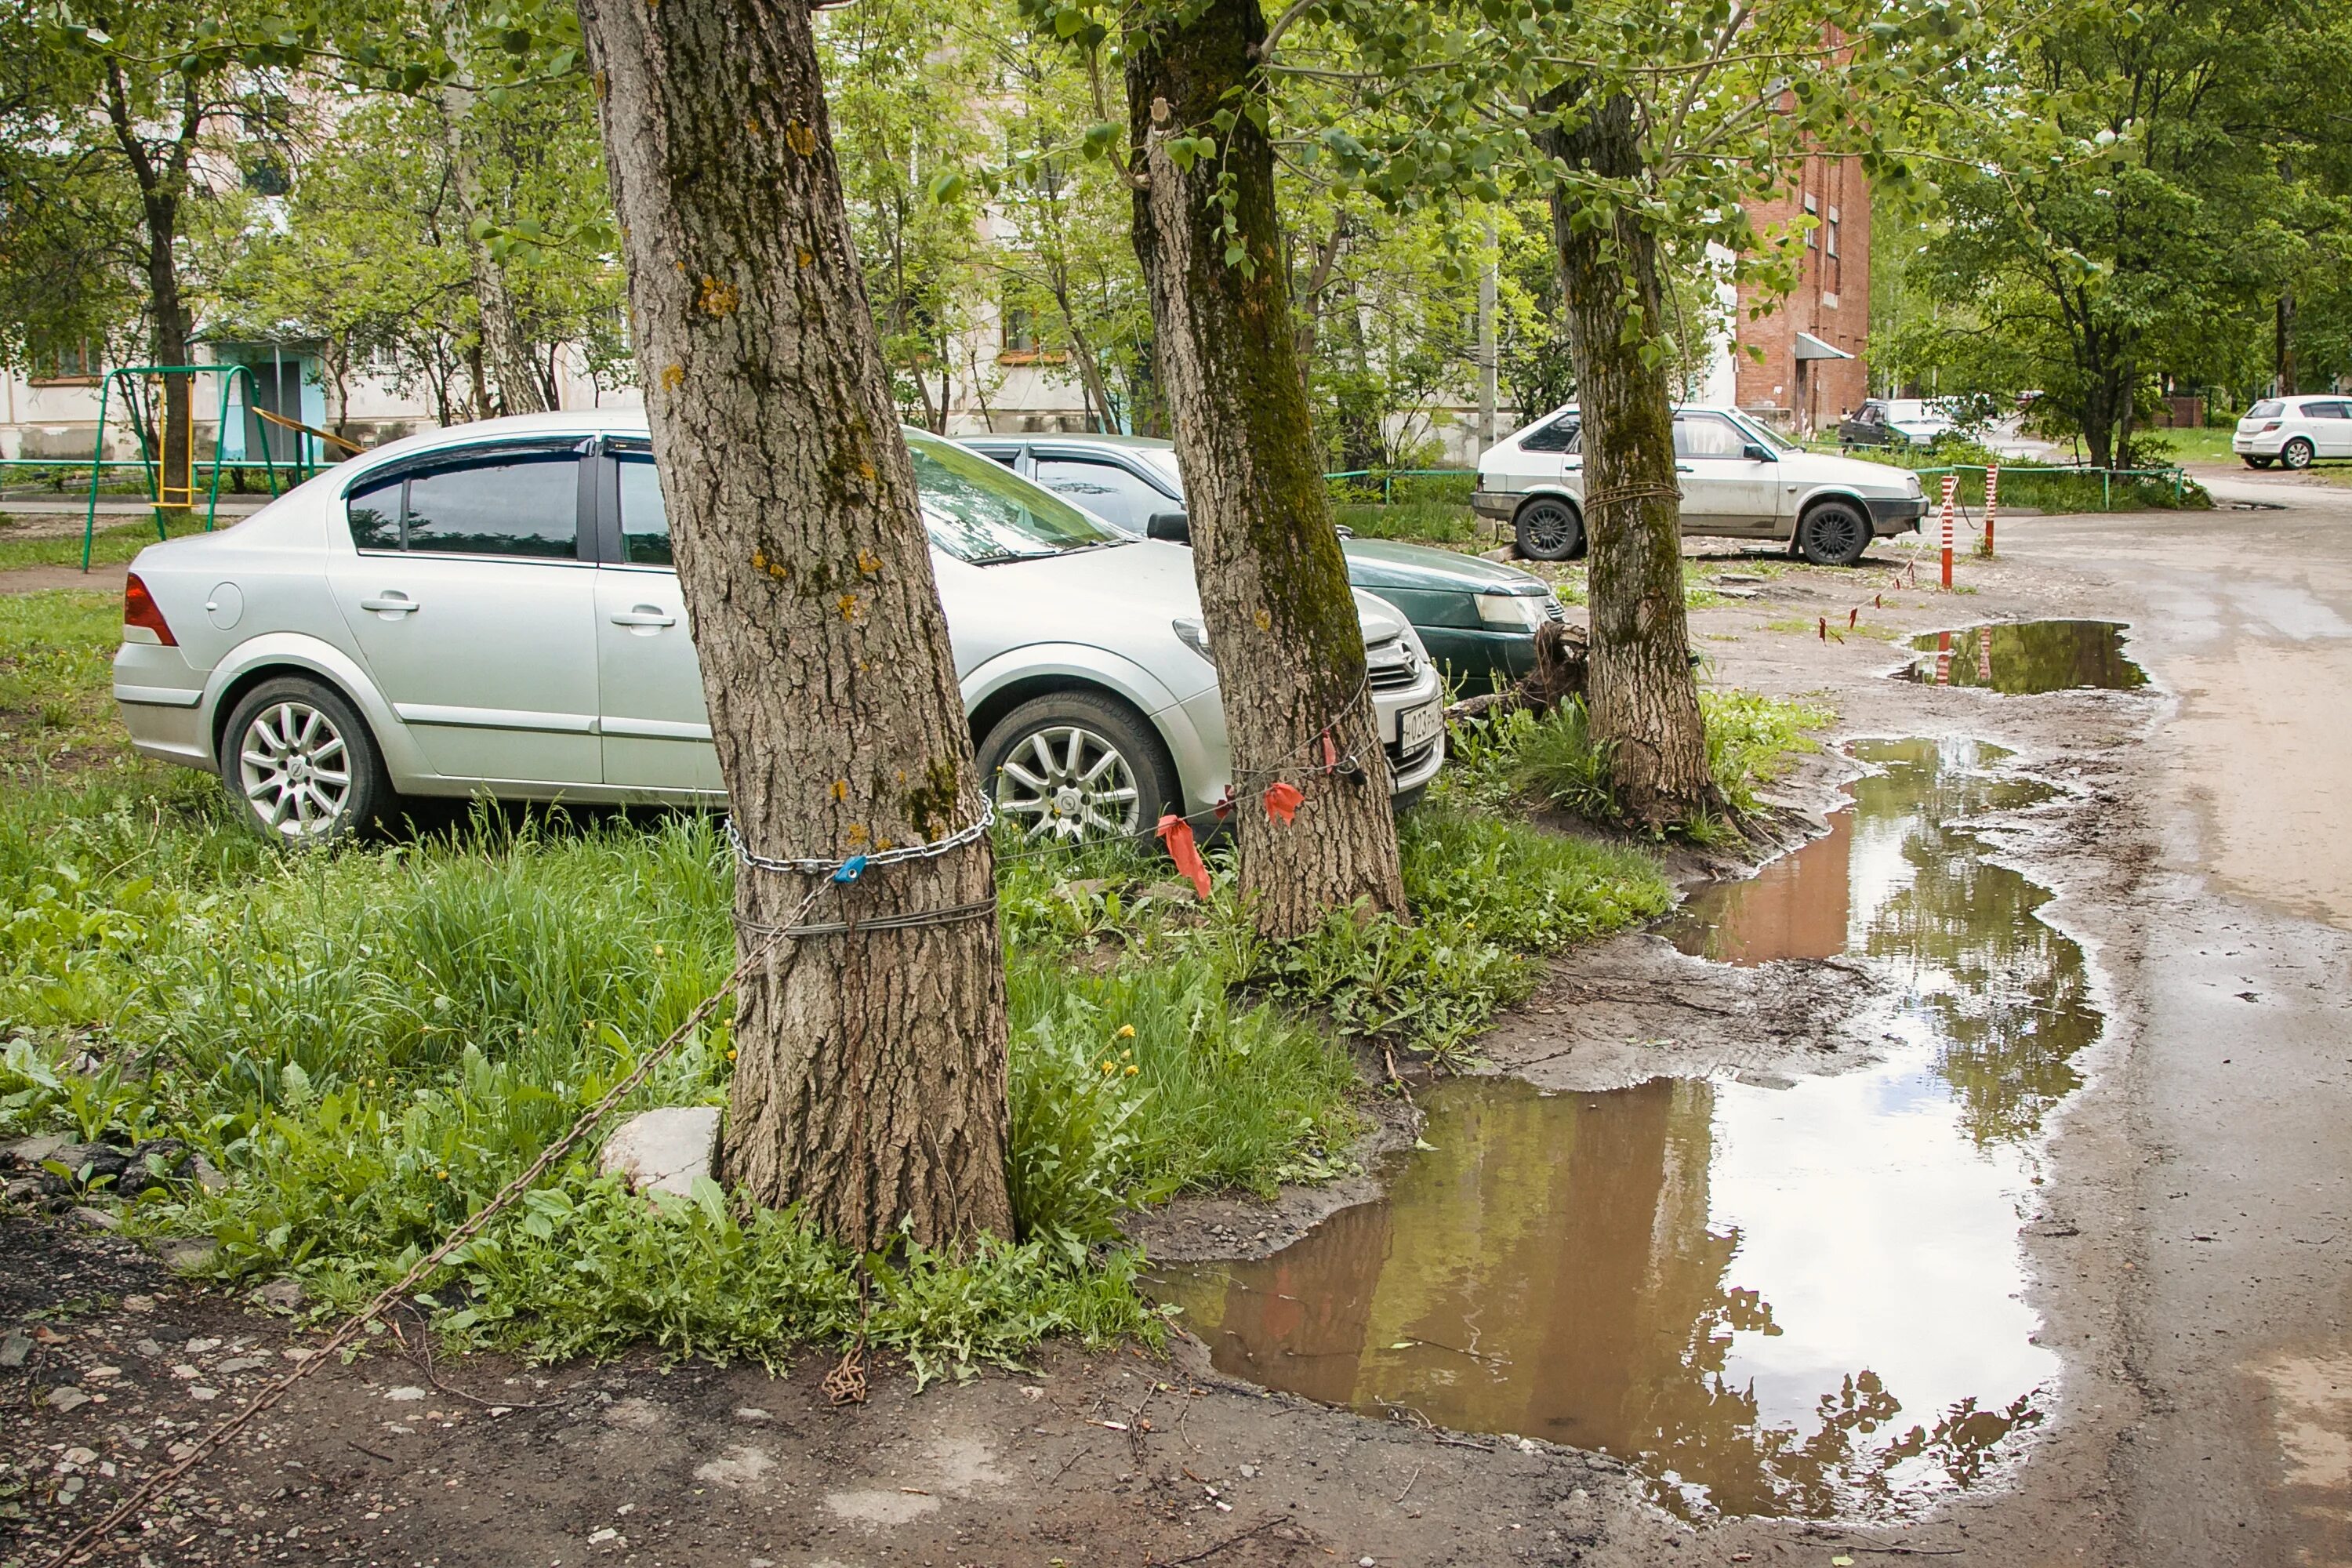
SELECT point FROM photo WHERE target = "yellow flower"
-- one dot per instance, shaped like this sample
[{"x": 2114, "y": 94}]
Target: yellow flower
[
  {"x": 1127, "y": 1031},
  {"x": 1132, "y": 1069},
  {"x": 730, "y": 1054},
  {"x": 1108, "y": 1065}
]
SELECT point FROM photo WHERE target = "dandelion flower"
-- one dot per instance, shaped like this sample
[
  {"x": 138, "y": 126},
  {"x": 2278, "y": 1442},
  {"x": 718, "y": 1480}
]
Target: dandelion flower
[{"x": 1127, "y": 1031}]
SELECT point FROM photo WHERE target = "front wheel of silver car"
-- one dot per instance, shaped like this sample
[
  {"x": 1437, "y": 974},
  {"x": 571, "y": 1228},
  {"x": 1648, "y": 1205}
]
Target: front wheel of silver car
[
  {"x": 299, "y": 764},
  {"x": 1075, "y": 768}
]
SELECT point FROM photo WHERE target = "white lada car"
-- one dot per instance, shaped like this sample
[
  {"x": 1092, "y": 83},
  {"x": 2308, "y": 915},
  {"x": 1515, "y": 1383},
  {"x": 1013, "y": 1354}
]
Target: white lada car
[
  {"x": 491, "y": 609},
  {"x": 1740, "y": 479}
]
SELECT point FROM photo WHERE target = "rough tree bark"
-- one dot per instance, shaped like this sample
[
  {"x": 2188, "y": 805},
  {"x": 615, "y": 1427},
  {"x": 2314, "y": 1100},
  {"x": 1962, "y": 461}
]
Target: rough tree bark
[
  {"x": 1641, "y": 697},
  {"x": 870, "y": 1081},
  {"x": 161, "y": 176},
  {"x": 1274, "y": 586}
]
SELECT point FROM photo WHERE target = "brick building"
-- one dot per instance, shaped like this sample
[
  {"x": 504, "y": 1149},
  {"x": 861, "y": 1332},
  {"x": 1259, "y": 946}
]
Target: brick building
[{"x": 1812, "y": 373}]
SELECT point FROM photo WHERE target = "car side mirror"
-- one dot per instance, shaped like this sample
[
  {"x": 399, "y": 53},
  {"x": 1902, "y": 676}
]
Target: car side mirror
[
  {"x": 1757, "y": 452},
  {"x": 1175, "y": 527},
  {"x": 1344, "y": 532}
]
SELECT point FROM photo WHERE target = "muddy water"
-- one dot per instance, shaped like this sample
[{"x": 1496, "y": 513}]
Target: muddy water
[
  {"x": 2021, "y": 658},
  {"x": 1773, "y": 1300}
]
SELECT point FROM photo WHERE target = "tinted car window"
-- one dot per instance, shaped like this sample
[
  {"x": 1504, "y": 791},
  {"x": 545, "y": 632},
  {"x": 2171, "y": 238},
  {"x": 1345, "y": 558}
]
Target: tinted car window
[
  {"x": 2268, "y": 408},
  {"x": 978, "y": 512},
  {"x": 2324, "y": 410},
  {"x": 1706, "y": 435},
  {"x": 645, "y": 519},
  {"x": 1559, "y": 435},
  {"x": 374, "y": 513},
  {"x": 1109, "y": 491},
  {"x": 512, "y": 506}
]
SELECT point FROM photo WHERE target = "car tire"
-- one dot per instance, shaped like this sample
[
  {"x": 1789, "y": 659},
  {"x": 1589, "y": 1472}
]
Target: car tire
[
  {"x": 2260, "y": 462},
  {"x": 1548, "y": 529},
  {"x": 1118, "y": 783},
  {"x": 299, "y": 764},
  {"x": 1833, "y": 533},
  {"x": 2297, "y": 453}
]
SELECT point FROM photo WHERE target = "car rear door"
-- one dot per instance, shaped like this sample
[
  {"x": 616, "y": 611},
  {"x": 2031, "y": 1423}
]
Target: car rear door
[
  {"x": 657, "y": 729},
  {"x": 2331, "y": 429},
  {"x": 1724, "y": 489},
  {"x": 470, "y": 600}
]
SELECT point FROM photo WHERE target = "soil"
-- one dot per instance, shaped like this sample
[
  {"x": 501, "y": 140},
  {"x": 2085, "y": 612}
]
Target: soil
[{"x": 2187, "y": 1257}]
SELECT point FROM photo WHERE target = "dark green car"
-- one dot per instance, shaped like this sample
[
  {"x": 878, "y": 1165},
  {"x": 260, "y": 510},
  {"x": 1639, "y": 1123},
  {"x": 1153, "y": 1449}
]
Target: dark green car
[{"x": 1477, "y": 618}]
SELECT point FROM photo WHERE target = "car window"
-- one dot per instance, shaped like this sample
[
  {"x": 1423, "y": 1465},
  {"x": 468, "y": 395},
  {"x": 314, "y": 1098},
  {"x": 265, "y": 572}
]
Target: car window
[
  {"x": 645, "y": 518},
  {"x": 1110, "y": 492},
  {"x": 978, "y": 512},
  {"x": 2268, "y": 408},
  {"x": 2324, "y": 410},
  {"x": 374, "y": 513},
  {"x": 1559, "y": 435},
  {"x": 1708, "y": 435},
  {"x": 521, "y": 505}
]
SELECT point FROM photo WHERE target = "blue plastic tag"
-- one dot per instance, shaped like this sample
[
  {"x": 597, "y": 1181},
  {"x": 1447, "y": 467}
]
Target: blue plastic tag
[{"x": 850, "y": 869}]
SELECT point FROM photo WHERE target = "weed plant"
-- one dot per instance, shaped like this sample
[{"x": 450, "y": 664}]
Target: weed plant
[
  {"x": 1555, "y": 760},
  {"x": 370, "y": 1043}
]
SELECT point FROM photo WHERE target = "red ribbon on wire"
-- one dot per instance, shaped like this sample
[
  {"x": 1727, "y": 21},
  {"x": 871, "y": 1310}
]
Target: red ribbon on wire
[
  {"x": 1177, "y": 834},
  {"x": 1282, "y": 798}
]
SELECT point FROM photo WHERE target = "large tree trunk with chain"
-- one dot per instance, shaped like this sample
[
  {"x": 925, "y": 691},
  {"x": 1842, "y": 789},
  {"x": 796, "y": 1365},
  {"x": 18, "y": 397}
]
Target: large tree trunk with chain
[
  {"x": 870, "y": 1082},
  {"x": 1274, "y": 586},
  {"x": 1641, "y": 697}
]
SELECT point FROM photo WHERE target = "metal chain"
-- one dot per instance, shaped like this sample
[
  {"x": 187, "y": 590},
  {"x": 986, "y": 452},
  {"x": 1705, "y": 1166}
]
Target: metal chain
[{"x": 814, "y": 868}]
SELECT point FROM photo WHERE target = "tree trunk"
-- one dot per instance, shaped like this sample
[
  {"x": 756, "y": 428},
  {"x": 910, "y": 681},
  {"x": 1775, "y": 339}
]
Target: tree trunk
[
  {"x": 160, "y": 183},
  {"x": 508, "y": 356},
  {"x": 1641, "y": 699},
  {"x": 2285, "y": 383},
  {"x": 1274, "y": 586},
  {"x": 870, "y": 1083}
]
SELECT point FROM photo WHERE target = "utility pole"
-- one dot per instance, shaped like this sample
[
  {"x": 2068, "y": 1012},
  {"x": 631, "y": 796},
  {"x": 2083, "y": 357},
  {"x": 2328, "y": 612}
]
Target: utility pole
[{"x": 1488, "y": 277}]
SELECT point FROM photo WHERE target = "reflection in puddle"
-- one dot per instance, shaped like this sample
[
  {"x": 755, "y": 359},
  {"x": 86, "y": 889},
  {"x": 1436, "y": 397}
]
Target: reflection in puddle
[
  {"x": 1799, "y": 1301},
  {"x": 2022, "y": 657}
]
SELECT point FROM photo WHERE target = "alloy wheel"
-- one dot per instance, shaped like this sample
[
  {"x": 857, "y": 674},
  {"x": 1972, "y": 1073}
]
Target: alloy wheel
[
  {"x": 1068, "y": 783},
  {"x": 294, "y": 770}
]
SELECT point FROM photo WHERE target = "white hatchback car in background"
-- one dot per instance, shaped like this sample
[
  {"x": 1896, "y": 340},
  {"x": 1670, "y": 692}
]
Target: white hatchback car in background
[
  {"x": 2292, "y": 431},
  {"x": 491, "y": 609},
  {"x": 1740, "y": 479}
]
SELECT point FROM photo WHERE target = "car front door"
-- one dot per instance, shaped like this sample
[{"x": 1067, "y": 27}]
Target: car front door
[
  {"x": 657, "y": 729},
  {"x": 2331, "y": 429},
  {"x": 1109, "y": 490},
  {"x": 1725, "y": 488},
  {"x": 471, "y": 599}
]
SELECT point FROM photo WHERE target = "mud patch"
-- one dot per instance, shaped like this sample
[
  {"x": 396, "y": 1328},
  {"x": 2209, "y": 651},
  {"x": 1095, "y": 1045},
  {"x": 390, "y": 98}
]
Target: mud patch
[
  {"x": 2021, "y": 658},
  {"x": 1774, "y": 1295}
]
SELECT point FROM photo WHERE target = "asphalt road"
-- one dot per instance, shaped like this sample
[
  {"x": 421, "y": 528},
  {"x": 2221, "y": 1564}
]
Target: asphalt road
[{"x": 2228, "y": 1107}]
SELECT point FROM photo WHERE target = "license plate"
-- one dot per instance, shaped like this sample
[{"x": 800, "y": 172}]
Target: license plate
[{"x": 1416, "y": 726}]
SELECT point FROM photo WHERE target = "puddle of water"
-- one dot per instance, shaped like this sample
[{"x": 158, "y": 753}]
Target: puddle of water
[
  {"x": 1800, "y": 1302},
  {"x": 2020, "y": 658}
]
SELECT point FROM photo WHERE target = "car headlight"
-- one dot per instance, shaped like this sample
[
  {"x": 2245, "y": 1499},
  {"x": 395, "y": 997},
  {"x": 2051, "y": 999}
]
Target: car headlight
[
  {"x": 1917, "y": 491},
  {"x": 1193, "y": 632},
  {"x": 1511, "y": 612}
]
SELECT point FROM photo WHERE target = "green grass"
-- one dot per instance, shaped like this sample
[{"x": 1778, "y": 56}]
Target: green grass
[
  {"x": 1557, "y": 762},
  {"x": 371, "y": 1042},
  {"x": 56, "y": 710},
  {"x": 113, "y": 545}
]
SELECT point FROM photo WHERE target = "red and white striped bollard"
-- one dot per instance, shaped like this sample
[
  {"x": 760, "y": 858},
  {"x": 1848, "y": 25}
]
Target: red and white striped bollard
[
  {"x": 1951, "y": 482},
  {"x": 1992, "y": 504}
]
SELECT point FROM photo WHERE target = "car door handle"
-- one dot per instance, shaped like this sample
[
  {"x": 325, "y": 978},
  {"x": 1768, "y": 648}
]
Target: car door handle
[
  {"x": 392, "y": 603},
  {"x": 645, "y": 616}
]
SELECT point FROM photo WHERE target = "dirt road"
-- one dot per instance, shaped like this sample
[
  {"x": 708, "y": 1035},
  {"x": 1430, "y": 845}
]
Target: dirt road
[{"x": 2179, "y": 1225}]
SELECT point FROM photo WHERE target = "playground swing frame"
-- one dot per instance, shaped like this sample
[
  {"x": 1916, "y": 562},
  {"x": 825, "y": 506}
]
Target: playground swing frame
[{"x": 152, "y": 461}]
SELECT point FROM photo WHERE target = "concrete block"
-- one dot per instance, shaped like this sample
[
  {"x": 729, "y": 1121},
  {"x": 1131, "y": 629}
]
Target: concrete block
[{"x": 664, "y": 1151}]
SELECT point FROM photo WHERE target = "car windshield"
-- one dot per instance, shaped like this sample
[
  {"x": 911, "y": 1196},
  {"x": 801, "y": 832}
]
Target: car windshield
[
  {"x": 978, "y": 512},
  {"x": 2268, "y": 408},
  {"x": 1765, "y": 432}
]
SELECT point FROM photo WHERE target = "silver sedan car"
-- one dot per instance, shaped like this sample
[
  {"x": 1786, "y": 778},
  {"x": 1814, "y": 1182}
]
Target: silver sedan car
[{"x": 491, "y": 609}]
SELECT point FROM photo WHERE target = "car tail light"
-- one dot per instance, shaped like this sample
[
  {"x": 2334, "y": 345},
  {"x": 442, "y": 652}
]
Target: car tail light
[
  {"x": 139, "y": 609},
  {"x": 2268, "y": 428}
]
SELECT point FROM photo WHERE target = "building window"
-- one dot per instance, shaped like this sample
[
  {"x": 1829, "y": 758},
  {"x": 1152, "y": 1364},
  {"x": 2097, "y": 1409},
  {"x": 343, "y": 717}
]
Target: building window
[
  {"x": 78, "y": 361},
  {"x": 1020, "y": 330},
  {"x": 1832, "y": 231},
  {"x": 1812, "y": 235}
]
